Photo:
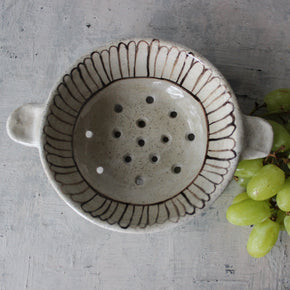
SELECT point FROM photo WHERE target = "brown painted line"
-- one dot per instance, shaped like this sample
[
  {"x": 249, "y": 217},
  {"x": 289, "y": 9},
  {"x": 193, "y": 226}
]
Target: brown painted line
[
  {"x": 65, "y": 183},
  {"x": 80, "y": 193},
  {"x": 218, "y": 108},
  {"x": 59, "y": 119},
  {"x": 166, "y": 60},
  {"x": 209, "y": 180},
  {"x": 190, "y": 204},
  {"x": 212, "y": 92},
  {"x": 58, "y": 155},
  {"x": 167, "y": 210},
  {"x": 202, "y": 200},
  {"x": 82, "y": 77},
  {"x": 203, "y": 190},
  {"x": 73, "y": 81},
  {"x": 62, "y": 109},
  {"x": 103, "y": 65},
  {"x": 114, "y": 210},
  {"x": 70, "y": 184},
  {"x": 49, "y": 126},
  {"x": 90, "y": 199},
  {"x": 180, "y": 73},
  {"x": 119, "y": 59},
  {"x": 157, "y": 214},
  {"x": 224, "y": 137},
  {"x": 193, "y": 62},
  {"x": 110, "y": 63},
  {"x": 141, "y": 216},
  {"x": 66, "y": 173},
  {"x": 53, "y": 150},
  {"x": 185, "y": 210},
  {"x": 94, "y": 66},
  {"x": 102, "y": 212},
  {"x": 189, "y": 55},
  {"x": 182, "y": 205},
  {"x": 130, "y": 220},
  {"x": 222, "y": 129},
  {"x": 223, "y": 118},
  {"x": 175, "y": 62},
  {"x": 216, "y": 166},
  {"x": 58, "y": 95},
  {"x": 66, "y": 85},
  {"x": 60, "y": 166},
  {"x": 200, "y": 76},
  {"x": 206, "y": 82},
  {"x": 89, "y": 211},
  {"x": 214, "y": 172},
  {"x": 177, "y": 211},
  {"x": 54, "y": 147},
  {"x": 222, "y": 159},
  {"x": 55, "y": 111},
  {"x": 88, "y": 71},
  {"x": 122, "y": 215},
  {"x": 216, "y": 98}
]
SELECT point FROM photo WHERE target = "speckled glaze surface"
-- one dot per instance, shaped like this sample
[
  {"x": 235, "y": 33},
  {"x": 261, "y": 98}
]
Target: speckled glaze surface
[{"x": 140, "y": 134}]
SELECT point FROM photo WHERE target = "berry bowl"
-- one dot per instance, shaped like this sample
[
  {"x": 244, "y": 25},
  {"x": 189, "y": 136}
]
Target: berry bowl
[{"x": 140, "y": 135}]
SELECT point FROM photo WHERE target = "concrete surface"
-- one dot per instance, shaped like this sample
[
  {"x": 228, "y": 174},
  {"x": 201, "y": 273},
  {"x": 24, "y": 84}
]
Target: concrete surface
[{"x": 43, "y": 243}]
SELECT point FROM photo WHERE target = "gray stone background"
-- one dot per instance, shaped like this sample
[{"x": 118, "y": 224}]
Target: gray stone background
[{"x": 43, "y": 243}]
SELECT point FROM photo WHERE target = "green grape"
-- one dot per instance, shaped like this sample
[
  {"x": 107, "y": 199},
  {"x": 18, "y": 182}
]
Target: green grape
[
  {"x": 281, "y": 136},
  {"x": 248, "y": 212},
  {"x": 278, "y": 101},
  {"x": 287, "y": 224},
  {"x": 266, "y": 183},
  {"x": 248, "y": 168},
  {"x": 243, "y": 181},
  {"x": 280, "y": 219},
  {"x": 283, "y": 196},
  {"x": 262, "y": 238},
  {"x": 240, "y": 197}
]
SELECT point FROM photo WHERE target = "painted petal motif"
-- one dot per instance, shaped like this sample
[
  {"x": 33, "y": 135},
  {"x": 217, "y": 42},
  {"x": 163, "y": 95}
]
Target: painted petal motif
[{"x": 141, "y": 59}]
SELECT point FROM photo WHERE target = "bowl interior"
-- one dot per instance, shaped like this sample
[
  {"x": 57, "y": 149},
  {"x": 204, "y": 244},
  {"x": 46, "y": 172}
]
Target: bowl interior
[{"x": 141, "y": 133}]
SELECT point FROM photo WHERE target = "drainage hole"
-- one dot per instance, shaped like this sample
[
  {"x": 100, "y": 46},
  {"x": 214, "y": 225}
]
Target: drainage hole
[
  {"x": 117, "y": 134},
  {"x": 173, "y": 114},
  {"x": 141, "y": 123},
  {"x": 139, "y": 180},
  {"x": 149, "y": 100},
  {"x": 89, "y": 134},
  {"x": 141, "y": 142},
  {"x": 127, "y": 158},
  {"x": 176, "y": 169},
  {"x": 164, "y": 139},
  {"x": 190, "y": 137},
  {"x": 118, "y": 108},
  {"x": 154, "y": 158},
  {"x": 100, "y": 170}
]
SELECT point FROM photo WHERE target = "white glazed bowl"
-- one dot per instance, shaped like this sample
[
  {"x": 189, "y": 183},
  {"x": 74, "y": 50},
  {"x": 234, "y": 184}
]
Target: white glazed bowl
[{"x": 140, "y": 135}]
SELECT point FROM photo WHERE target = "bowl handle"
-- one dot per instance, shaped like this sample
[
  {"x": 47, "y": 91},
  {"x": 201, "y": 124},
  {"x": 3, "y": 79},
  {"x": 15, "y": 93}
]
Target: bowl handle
[
  {"x": 23, "y": 125},
  {"x": 258, "y": 138}
]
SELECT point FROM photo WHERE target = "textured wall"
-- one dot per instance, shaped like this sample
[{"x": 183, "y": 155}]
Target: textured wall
[{"x": 43, "y": 243}]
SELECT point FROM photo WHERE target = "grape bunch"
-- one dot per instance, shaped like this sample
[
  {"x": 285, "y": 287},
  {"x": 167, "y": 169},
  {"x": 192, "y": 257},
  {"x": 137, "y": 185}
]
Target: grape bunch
[{"x": 265, "y": 205}]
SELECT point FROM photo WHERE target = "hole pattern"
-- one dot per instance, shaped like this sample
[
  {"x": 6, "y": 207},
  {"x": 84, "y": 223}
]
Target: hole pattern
[
  {"x": 141, "y": 123},
  {"x": 89, "y": 134},
  {"x": 118, "y": 108},
  {"x": 100, "y": 170},
  {"x": 173, "y": 114},
  {"x": 141, "y": 142},
  {"x": 117, "y": 134},
  {"x": 149, "y": 100}
]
